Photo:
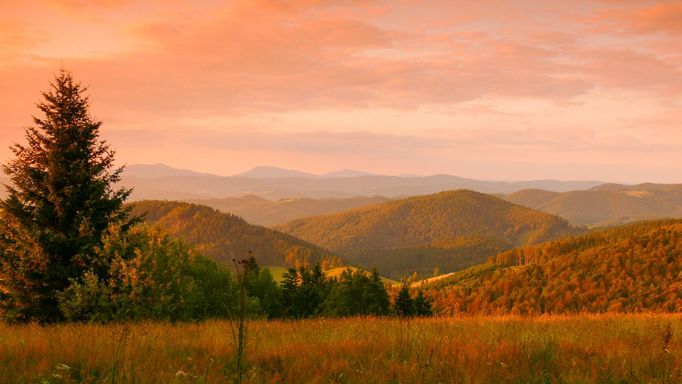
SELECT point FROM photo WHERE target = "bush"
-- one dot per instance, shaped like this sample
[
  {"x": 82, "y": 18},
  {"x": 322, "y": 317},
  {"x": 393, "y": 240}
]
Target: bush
[{"x": 151, "y": 276}]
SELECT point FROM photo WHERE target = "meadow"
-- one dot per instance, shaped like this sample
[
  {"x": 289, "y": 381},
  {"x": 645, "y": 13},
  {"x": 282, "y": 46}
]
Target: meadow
[{"x": 548, "y": 349}]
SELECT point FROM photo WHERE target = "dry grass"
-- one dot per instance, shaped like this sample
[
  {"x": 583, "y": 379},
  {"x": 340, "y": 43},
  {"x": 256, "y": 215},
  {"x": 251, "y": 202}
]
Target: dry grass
[{"x": 599, "y": 349}]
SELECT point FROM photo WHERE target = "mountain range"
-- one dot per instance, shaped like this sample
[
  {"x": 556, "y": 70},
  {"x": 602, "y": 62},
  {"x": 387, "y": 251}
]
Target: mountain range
[
  {"x": 276, "y": 183},
  {"x": 268, "y": 172},
  {"x": 449, "y": 231},
  {"x": 273, "y": 196}
]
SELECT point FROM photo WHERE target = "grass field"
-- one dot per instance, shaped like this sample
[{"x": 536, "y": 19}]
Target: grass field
[{"x": 586, "y": 349}]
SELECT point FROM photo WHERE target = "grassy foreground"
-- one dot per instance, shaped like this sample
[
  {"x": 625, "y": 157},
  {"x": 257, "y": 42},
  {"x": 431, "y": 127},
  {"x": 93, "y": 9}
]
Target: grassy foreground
[{"x": 599, "y": 349}]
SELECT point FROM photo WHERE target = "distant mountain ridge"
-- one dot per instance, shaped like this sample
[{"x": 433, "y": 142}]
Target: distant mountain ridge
[
  {"x": 270, "y": 172},
  {"x": 275, "y": 183},
  {"x": 449, "y": 230},
  {"x": 267, "y": 172}
]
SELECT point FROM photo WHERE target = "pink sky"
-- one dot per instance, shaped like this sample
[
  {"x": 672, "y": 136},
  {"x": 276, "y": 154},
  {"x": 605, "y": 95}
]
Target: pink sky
[{"x": 489, "y": 89}]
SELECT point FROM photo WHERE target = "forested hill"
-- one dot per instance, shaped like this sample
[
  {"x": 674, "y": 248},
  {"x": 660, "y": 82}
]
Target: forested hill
[
  {"x": 449, "y": 230},
  {"x": 224, "y": 236},
  {"x": 608, "y": 204},
  {"x": 633, "y": 268},
  {"x": 257, "y": 210}
]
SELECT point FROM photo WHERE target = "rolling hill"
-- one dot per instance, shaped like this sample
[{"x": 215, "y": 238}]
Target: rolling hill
[
  {"x": 609, "y": 204},
  {"x": 449, "y": 230},
  {"x": 634, "y": 268},
  {"x": 224, "y": 237},
  {"x": 260, "y": 211}
]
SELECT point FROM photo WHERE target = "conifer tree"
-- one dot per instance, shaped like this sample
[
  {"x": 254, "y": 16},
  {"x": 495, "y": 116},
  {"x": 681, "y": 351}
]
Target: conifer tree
[
  {"x": 404, "y": 305},
  {"x": 60, "y": 203},
  {"x": 422, "y": 305},
  {"x": 290, "y": 284},
  {"x": 379, "y": 303}
]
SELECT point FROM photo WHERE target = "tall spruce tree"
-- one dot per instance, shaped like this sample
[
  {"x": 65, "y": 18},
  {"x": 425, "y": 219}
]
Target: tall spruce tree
[{"x": 60, "y": 203}]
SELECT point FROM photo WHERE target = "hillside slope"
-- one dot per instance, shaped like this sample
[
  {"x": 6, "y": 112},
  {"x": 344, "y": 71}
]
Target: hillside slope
[
  {"x": 260, "y": 211},
  {"x": 610, "y": 204},
  {"x": 448, "y": 230},
  {"x": 224, "y": 236},
  {"x": 633, "y": 268}
]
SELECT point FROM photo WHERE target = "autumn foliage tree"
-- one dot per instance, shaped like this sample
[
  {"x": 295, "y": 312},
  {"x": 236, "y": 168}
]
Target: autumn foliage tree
[{"x": 60, "y": 203}]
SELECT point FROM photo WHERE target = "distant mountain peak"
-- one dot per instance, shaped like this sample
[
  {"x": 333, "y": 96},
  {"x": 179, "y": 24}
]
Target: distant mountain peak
[{"x": 270, "y": 172}]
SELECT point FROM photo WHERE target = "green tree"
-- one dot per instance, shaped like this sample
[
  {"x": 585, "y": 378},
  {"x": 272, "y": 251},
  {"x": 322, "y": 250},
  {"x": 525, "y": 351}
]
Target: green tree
[
  {"x": 151, "y": 277},
  {"x": 342, "y": 299},
  {"x": 60, "y": 203},
  {"x": 422, "y": 305},
  {"x": 312, "y": 292},
  {"x": 354, "y": 293},
  {"x": 404, "y": 305},
  {"x": 264, "y": 288},
  {"x": 289, "y": 285},
  {"x": 377, "y": 299}
]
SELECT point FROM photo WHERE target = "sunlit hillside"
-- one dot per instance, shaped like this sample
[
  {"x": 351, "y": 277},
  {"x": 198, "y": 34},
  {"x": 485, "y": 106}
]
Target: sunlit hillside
[
  {"x": 448, "y": 230},
  {"x": 610, "y": 204},
  {"x": 224, "y": 237},
  {"x": 633, "y": 268}
]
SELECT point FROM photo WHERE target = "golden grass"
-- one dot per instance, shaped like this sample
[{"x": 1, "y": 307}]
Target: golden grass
[{"x": 584, "y": 349}]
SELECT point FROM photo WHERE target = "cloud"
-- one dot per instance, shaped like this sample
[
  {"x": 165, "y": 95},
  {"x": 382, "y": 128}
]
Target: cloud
[
  {"x": 632, "y": 70},
  {"x": 514, "y": 76},
  {"x": 85, "y": 6},
  {"x": 664, "y": 17},
  {"x": 250, "y": 56}
]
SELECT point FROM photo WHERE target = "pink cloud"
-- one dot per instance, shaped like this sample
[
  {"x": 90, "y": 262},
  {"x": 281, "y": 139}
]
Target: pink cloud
[
  {"x": 658, "y": 18},
  {"x": 186, "y": 61}
]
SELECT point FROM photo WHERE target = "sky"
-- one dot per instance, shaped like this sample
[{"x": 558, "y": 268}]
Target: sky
[{"x": 497, "y": 90}]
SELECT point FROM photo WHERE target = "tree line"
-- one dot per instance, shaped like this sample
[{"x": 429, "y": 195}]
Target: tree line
[{"x": 153, "y": 276}]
